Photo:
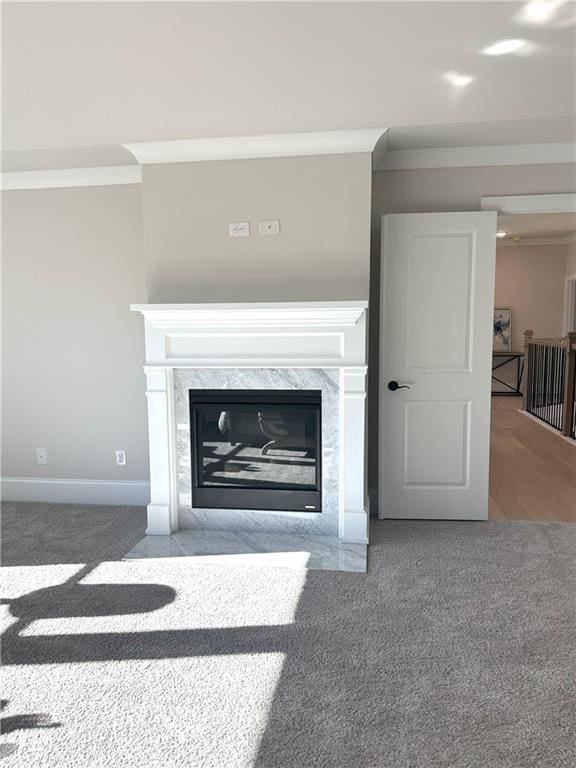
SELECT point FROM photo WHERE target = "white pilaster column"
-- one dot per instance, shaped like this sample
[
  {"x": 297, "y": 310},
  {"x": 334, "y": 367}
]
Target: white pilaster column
[
  {"x": 354, "y": 518},
  {"x": 162, "y": 510}
]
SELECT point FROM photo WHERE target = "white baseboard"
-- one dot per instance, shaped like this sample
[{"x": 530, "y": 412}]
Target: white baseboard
[
  {"x": 536, "y": 420},
  {"x": 60, "y": 491}
]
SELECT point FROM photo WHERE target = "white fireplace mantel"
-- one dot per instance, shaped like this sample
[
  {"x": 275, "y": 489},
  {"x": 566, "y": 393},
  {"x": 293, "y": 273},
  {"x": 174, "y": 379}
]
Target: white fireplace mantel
[
  {"x": 291, "y": 335},
  {"x": 269, "y": 335}
]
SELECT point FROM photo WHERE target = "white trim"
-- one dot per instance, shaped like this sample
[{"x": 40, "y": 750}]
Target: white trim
[
  {"x": 67, "y": 491},
  {"x": 251, "y": 147},
  {"x": 354, "y": 527},
  {"x": 354, "y": 518},
  {"x": 541, "y": 423},
  {"x": 466, "y": 157},
  {"x": 162, "y": 510},
  {"x": 526, "y": 204},
  {"x": 563, "y": 203},
  {"x": 537, "y": 241},
  {"x": 287, "y": 314},
  {"x": 569, "y": 312},
  {"x": 72, "y": 177},
  {"x": 159, "y": 517},
  {"x": 284, "y": 334},
  {"x": 380, "y": 150}
]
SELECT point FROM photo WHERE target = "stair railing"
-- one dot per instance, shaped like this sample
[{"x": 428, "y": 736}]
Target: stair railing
[{"x": 550, "y": 381}]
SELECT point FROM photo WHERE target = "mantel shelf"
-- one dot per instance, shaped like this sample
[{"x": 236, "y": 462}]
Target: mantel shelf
[{"x": 273, "y": 315}]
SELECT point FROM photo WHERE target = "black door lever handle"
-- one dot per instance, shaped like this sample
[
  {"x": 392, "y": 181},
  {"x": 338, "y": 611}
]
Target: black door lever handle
[{"x": 393, "y": 386}]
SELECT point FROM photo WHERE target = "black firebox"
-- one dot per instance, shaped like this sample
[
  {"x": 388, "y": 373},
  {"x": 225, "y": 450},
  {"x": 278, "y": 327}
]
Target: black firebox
[{"x": 256, "y": 449}]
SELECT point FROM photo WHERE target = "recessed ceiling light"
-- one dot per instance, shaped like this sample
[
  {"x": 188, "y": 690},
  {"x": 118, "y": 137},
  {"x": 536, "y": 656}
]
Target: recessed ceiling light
[
  {"x": 500, "y": 234},
  {"x": 458, "y": 79},
  {"x": 503, "y": 47},
  {"x": 540, "y": 11}
]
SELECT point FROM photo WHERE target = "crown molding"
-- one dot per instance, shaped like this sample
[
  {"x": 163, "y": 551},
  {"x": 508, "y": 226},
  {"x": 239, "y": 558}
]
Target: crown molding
[
  {"x": 553, "y": 203},
  {"x": 256, "y": 147},
  {"x": 557, "y": 241},
  {"x": 462, "y": 157},
  {"x": 71, "y": 177},
  {"x": 379, "y": 151}
]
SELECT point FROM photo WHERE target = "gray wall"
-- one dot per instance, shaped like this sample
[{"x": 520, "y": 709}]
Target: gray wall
[
  {"x": 72, "y": 351},
  {"x": 74, "y": 260},
  {"x": 77, "y": 388},
  {"x": 436, "y": 190},
  {"x": 530, "y": 280},
  {"x": 323, "y": 250}
]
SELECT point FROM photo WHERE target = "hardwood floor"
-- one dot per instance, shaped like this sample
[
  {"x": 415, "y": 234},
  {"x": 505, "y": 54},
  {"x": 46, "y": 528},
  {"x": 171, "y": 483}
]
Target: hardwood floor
[{"x": 532, "y": 469}]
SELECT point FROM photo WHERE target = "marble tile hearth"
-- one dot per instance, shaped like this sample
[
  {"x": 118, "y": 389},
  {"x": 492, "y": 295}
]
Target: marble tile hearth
[{"x": 256, "y": 549}]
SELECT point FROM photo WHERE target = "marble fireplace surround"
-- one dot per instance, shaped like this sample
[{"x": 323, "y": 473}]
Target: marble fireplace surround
[{"x": 310, "y": 345}]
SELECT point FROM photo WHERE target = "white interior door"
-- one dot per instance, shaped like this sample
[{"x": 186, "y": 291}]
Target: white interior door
[{"x": 436, "y": 338}]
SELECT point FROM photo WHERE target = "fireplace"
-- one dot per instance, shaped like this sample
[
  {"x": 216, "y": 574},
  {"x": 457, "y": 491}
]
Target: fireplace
[
  {"x": 305, "y": 363},
  {"x": 256, "y": 449}
]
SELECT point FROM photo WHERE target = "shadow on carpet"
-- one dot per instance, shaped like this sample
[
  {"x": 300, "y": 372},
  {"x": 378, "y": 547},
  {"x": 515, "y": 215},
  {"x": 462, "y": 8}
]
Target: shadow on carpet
[{"x": 455, "y": 650}]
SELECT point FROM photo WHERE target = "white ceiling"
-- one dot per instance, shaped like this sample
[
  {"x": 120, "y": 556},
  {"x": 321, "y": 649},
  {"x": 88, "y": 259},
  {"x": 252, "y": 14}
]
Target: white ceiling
[
  {"x": 538, "y": 225},
  {"x": 80, "y": 75}
]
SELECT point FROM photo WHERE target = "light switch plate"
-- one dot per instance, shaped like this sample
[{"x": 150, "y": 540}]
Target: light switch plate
[
  {"x": 238, "y": 229},
  {"x": 269, "y": 227}
]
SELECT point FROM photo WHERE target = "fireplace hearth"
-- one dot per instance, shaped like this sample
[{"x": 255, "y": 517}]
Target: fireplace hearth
[{"x": 256, "y": 449}]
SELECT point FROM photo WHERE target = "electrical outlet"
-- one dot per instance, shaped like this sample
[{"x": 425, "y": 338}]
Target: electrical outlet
[
  {"x": 121, "y": 460},
  {"x": 269, "y": 227},
  {"x": 41, "y": 456},
  {"x": 239, "y": 229}
]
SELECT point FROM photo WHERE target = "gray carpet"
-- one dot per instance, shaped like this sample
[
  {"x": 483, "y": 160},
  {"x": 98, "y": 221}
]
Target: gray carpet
[{"x": 456, "y": 650}]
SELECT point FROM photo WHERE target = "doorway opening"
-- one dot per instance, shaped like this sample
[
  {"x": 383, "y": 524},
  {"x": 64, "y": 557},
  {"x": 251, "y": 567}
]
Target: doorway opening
[{"x": 533, "y": 426}]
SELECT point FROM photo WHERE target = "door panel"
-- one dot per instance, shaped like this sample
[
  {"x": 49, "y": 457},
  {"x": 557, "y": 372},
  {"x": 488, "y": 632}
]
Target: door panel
[
  {"x": 434, "y": 302},
  {"x": 424, "y": 464},
  {"x": 436, "y": 338}
]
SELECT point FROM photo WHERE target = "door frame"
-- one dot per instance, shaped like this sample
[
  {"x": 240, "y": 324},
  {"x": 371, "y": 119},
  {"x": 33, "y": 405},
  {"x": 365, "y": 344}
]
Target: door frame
[
  {"x": 508, "y": 204},
  {"x": 551, "y": 203},
  {"x": 524, "y": 204},
  {"x": 569, "y": 320}
]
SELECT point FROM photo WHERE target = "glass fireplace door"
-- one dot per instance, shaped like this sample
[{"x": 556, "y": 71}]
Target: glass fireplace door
[{"x": 256, "y": 450}]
